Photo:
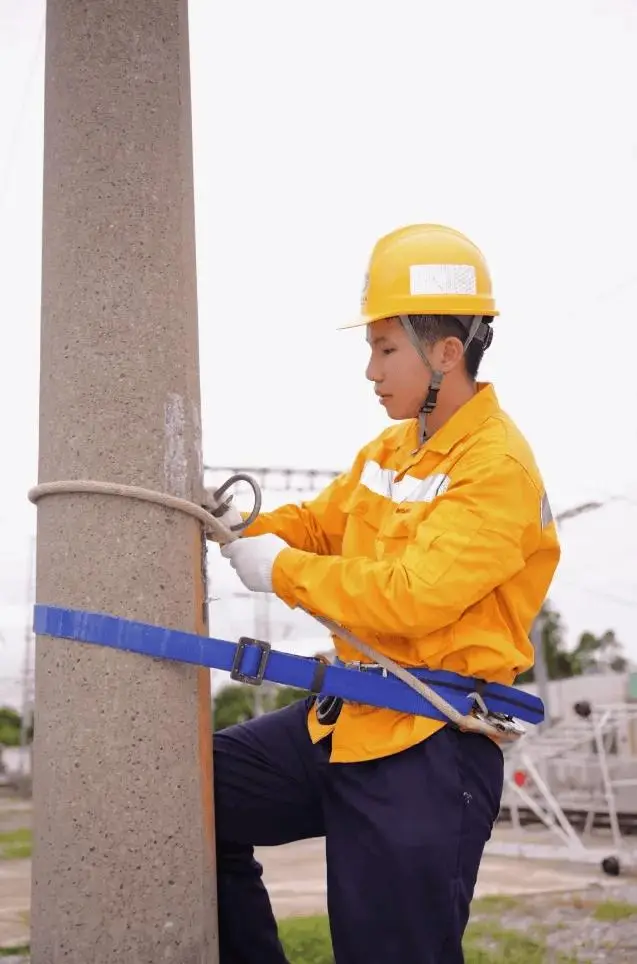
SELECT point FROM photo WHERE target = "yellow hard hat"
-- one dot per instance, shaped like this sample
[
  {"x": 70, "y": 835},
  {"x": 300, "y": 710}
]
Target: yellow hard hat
[{"x": 425, "y": 269}]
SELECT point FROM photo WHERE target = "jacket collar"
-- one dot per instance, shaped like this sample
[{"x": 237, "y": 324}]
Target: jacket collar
[{"x": 473, "y": 413}]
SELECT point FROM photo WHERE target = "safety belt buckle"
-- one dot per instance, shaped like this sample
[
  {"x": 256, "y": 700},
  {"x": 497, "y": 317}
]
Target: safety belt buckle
[
  {"x": 362, "y": 667},
  {"x": 499, "y": 727},
  {"x": 254, "y": 679},
  {"x": 373, "y": 667}
]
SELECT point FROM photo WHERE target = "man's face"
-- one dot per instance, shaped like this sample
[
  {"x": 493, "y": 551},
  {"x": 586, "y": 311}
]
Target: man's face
[{"x": 400, "y": 376}]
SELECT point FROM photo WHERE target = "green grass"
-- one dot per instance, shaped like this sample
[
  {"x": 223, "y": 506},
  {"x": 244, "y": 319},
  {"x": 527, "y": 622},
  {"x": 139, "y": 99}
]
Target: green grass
[
  {"x": 307, "y": 941},
  {"x": 614, "y": 910},
  {"x": 494, "y": 904},
  {"x": 488, "y": 943},
  {"x": 15, "y": 844}
]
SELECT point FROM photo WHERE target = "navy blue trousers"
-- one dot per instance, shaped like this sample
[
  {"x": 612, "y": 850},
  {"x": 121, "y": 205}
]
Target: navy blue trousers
[{"x": 404, "y": 838}]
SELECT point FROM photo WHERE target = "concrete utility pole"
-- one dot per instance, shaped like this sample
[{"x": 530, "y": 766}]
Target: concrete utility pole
[{"x": 124, "y": 837}]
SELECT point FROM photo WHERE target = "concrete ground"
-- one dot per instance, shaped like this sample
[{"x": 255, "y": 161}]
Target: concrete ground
[
  {"x": 295, "y": 876},
  {"x": 15, "y": 875},
  {"x": 15, "y": 899}
]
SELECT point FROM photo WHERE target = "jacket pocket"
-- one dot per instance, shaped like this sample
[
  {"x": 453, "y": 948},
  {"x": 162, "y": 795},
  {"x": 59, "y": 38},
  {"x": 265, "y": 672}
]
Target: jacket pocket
[{"x": 365, "y": 514}]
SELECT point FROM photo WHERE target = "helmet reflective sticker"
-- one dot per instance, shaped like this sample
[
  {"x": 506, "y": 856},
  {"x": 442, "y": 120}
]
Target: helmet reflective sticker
[{"x": 442, "y": 279}]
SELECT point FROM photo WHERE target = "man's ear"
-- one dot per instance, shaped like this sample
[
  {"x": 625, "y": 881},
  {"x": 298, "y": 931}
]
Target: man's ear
[{"x": 451, "y": 354}]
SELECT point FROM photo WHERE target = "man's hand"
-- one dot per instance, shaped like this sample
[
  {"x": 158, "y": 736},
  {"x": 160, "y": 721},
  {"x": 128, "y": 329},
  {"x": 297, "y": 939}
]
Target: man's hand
[
  {"x": 229, "y": 516},
  {"x": 252, "y": 559}
]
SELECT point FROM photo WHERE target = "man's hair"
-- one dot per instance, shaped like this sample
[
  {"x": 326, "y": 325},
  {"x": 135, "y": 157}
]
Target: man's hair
[{"x": 431, "y": 328}]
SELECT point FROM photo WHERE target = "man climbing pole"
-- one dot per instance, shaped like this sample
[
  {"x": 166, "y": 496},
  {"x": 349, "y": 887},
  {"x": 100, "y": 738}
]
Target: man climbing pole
[{"x": 437, "y": 548}]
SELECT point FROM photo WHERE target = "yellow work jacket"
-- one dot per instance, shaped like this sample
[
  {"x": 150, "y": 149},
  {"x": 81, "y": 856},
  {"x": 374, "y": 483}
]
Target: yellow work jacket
[{"x": 437, "y": 555}]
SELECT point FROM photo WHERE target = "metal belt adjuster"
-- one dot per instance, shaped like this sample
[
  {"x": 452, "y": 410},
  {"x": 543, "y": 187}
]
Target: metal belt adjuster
[
  {"x": 328, "y": 708},
  {"x": 254, "y": 679},
  {"x": 363, "y": 667}
]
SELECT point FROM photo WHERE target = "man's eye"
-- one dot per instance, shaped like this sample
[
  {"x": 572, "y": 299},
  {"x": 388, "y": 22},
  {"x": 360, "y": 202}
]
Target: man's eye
[{"x": 388, "y": 351}]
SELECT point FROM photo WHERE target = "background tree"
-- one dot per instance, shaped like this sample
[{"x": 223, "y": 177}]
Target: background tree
[
  {"x": 599, "y": 654},
  {"x": 287, "y": 695},
  {"x": 10, "y": 724},
  {"x": 591, "y": 654},
  {"x": 233, "y": 704}
]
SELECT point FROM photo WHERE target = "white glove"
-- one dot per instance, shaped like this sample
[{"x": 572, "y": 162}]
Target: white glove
[
  {"x": 230, "y": 515},
  {"x": 252, "y": 559}
]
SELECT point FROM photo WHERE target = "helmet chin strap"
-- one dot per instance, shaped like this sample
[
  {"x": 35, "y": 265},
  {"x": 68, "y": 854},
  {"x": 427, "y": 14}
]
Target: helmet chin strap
[{"x": 477, "y": 328}]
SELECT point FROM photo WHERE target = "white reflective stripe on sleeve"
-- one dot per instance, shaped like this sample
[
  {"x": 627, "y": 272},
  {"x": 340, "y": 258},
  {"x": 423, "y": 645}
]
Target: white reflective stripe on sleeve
[
  {"x": 408, "y": 489},
  {"x": 546, "y": 515}
]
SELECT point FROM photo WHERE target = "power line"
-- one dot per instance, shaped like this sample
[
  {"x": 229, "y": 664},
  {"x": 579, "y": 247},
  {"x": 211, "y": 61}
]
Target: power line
[
  {"x": 276, "y": 479},
  {"x": 621, "y": 600},
  {"x": 605, "y": 499}
]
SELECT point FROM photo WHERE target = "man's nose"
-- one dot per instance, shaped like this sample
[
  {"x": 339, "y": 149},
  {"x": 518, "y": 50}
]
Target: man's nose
[{"x": 371, "y": 372}]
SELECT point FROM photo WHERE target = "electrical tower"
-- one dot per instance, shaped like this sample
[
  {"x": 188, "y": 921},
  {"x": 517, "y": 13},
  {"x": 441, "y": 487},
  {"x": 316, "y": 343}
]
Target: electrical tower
[{"x": 300, "y": 481}]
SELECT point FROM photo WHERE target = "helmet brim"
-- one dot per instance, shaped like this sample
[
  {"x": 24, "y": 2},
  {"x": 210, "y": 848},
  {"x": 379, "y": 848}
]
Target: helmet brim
[{"x": 364, "y": 320}]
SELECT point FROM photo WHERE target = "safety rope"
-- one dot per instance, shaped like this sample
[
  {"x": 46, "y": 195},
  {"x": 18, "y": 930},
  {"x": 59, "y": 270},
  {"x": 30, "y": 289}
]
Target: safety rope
[
  {"x": 479, "y": 720},
  {"x": 211, "y": 524}
]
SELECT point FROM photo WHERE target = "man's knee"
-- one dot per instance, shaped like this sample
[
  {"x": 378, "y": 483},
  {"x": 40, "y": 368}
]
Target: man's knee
[
  {"x": 237, "y": 859},
  {"x": 267, "y": 785}
]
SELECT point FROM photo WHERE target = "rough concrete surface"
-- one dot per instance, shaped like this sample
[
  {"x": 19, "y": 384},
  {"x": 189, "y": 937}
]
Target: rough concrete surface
[{"x": 119, "y": 402}]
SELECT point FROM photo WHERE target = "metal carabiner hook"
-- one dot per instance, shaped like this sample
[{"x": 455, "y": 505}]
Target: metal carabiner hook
[{"x": 228, "y": 484}]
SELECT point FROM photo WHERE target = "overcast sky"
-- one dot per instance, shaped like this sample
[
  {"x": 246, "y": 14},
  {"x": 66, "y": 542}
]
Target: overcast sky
[{"x": 319, "y": 127}]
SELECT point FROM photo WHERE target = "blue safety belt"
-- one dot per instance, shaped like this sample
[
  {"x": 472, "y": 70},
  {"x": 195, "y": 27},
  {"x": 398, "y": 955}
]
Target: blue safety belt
[{"x": 253, "y": 661}]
